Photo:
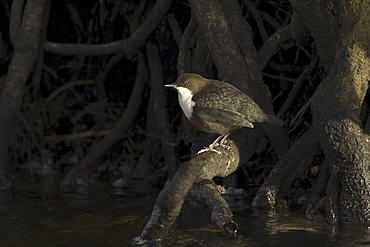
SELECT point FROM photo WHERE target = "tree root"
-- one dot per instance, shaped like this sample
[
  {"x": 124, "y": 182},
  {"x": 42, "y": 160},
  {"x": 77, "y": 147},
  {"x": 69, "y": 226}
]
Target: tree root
[
  {"x": 204, "y": 191},
  {"x": 207, "y": 193},
  {"x": 267, "y": 194}
]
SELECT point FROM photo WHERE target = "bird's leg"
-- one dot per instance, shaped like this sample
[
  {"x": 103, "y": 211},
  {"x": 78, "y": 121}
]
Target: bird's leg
[
  {"x": 216, "y": 143},
  {"x": 224, "y": 137}
]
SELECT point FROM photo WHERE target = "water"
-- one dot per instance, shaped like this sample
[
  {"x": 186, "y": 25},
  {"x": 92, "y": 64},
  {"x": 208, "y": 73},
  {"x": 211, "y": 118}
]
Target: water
[{"x": 107, "y": 217}]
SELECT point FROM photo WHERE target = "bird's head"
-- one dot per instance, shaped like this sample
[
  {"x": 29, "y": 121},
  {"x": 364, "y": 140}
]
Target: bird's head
[{"x": 188, "y": 81}]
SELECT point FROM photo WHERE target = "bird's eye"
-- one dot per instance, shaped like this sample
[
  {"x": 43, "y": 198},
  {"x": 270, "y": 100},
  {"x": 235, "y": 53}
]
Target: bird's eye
[{"x": 187, "y": 82}]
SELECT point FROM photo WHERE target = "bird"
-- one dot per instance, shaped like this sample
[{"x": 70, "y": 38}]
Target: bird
[{"x": 217, "y": 107}]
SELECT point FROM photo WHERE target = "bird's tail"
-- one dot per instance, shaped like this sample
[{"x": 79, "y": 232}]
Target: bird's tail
[{"x": 274, "y": 120}]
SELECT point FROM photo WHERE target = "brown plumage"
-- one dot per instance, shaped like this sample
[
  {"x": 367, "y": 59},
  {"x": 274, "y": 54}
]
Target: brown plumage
[{"x": 218, "y": 107}]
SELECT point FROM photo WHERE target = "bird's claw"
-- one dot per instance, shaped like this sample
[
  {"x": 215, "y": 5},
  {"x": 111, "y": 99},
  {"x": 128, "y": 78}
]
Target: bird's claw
[
  {"x": 211, "y": 148},
  {"x": 206, "y": 149},
  {"x": 222, "y": 145}
]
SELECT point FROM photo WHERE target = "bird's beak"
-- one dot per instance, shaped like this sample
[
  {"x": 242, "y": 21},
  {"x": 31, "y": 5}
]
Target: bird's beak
[{"x": 170, "y": 85}]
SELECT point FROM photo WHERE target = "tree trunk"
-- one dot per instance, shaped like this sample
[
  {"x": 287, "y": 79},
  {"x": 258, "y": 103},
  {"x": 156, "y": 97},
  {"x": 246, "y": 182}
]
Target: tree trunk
[
  {"x": 336, "y": 111},
  {"x": 26, "y": 45},
  {"x": 322, "y": 26},
  {"x": 343, "y": 45}
]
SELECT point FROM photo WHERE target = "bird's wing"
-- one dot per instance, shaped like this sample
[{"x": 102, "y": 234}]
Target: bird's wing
[
  {"x": 224, "y": 116},
  {"x": 216, "y": 106}
]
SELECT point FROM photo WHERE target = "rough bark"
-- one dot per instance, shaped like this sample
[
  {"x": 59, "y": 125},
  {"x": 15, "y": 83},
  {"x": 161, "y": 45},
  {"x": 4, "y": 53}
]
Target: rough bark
[
  {"x": 336, "y": 105},
  {"x": 336, "y": 110},
  {"x": 207, "y": 193},
  {"x": 170, "y": 200},
  {"x": 200, "y": 170}
]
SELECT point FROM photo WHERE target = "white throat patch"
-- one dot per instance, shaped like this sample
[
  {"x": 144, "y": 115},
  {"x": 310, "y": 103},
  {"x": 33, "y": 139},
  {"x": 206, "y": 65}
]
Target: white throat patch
[{"x": 185, "y": 99}]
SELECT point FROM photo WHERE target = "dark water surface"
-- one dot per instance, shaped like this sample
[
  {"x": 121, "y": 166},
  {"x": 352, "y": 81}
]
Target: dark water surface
[{"x": 105, "y": 217}]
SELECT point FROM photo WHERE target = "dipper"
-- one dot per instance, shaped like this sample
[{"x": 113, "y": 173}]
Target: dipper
[{"x": 217, "y": 107}]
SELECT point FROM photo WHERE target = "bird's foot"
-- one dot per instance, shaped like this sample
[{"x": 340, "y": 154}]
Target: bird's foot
[
  {"x": 222, "y": 145},
  {"x": 209, "y": 148}
]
